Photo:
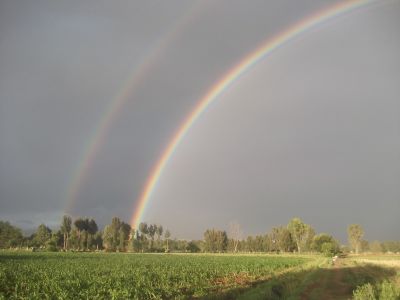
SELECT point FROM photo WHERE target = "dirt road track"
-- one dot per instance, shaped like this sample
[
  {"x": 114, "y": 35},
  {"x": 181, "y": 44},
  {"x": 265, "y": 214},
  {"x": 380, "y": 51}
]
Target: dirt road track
[{"x": 330, "y": 284}]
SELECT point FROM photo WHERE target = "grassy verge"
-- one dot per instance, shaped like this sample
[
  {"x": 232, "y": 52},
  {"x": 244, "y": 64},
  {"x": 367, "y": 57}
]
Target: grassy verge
[
  {"x": 385, "y": 271},
  {"x": 318, "y": 279},
  {"x": 280, "y": 285}
]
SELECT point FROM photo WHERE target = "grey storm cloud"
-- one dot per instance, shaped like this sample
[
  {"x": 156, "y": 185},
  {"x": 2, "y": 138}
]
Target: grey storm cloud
[{"x": 312, "y": 131}]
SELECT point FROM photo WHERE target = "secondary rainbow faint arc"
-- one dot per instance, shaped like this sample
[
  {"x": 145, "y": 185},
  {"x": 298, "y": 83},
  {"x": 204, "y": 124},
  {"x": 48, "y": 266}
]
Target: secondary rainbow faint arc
[
  {"x": 98, "y": 137},
  {"x": 221, "y": 85}
]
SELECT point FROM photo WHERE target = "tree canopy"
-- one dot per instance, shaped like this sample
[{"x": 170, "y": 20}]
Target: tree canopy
[
  {"x": 10, "y": 236},
  {"x": 355, "y": 234}
]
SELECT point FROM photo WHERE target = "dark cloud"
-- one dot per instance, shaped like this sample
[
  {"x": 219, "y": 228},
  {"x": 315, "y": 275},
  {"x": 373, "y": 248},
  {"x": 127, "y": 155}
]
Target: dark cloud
[{"x": 312, "y": 131}]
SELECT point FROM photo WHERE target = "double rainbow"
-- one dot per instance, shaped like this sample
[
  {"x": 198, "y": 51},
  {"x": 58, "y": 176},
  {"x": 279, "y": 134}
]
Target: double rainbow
[
  {"x": 139, "y": 74},
  {"x": 226, "y": 81}
]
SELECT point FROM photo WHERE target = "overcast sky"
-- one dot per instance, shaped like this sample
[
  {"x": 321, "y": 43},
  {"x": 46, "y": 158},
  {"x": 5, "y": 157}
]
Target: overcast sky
[{"x": 312, "y": 131}]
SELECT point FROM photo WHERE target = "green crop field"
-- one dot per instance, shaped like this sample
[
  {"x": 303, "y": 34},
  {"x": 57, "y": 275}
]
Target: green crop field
[{"x": 132, "y": 276}]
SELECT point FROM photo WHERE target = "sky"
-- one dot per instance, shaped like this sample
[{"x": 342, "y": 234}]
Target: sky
[{"x": 312, "y": 131}]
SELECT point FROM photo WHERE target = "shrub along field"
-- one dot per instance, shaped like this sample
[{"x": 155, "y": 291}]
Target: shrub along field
[{"x": 133, "y": 276}]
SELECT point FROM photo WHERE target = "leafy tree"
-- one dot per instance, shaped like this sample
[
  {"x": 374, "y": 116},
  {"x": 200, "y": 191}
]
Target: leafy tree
[
  {"x": 143, "y": 228},
  {"x": 231, "y": 246},
  {"x": 10, "y": 236},
  {"x": 222, "y": 241},
  {"x": 66, "y": 229},
  {"x": 135, "y": 241},
  {"x": 236, "y": 233},
  {"x": 300, "y": 232},
  {"x": 80, "y": 225},
  {"x": 111, "y": 235},
  {"x": 215, "y": 240},
  {"x": 376, "y": 247},
  {"x": 329, "y": 248},
  {"x": 159, "y": 232},
  {"x": 92, "y": 227},
  {"x": 281, "y": 239},
  {"x": 152, "y": 229},
  {"x": 364, "y": 245},
  {"x": 124, "y": 232},
  {"x": 91, "y": 230},
  {"x": 355, "y": 234},
  {"x": 259, "y": 243},
  {"x": 192, "y": 247},
  {"x": 256, "y": 243},
  {"x": 108, "y": 238},
  {"x": 178, "y": 245},
  {"x": 210, "y": 240},
  {"x": 83, "y": 242},
  {"x": 320, "y": 239},
  {"x": 42, "y": 235},
  {"x": 250, "y": 244},
  {"x": 55, "y": 240},
  {"x": 116, "y": 223},
  {"x": 73, "y": 240},
  {"x": 133, "y": 234},
  {"x": 97, "y": 240},
  {"x": 126, "y": 228},
  {"x": 122, "y": 238},
  {"x": 116, "y": 235},
  {"x": 86, "y": 229},
  {"x": 167, "y": 236},
  {"x": 58, "y": 238},
  {"x": 391, "y": 246},
  {"x": 309, "y": 235},
  {"x": 143, "y": 235}
]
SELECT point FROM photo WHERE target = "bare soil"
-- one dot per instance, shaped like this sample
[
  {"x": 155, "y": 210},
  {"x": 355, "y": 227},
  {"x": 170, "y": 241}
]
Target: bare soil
[{"x": 331, "y": 284}]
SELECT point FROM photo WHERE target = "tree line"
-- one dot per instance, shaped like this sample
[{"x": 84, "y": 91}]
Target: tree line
[
  {"x": 296, "y": 236},
  {"x": 83, "y": 234}
]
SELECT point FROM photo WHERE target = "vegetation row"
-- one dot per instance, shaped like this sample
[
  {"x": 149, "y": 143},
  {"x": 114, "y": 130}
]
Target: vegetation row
[{"x": 83, "y": 234}]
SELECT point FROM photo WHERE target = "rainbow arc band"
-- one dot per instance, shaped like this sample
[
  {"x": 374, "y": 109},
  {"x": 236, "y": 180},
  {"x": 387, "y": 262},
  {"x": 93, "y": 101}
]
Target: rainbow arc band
[
  {"x": 226, "y": 81},
  {"x": 113, "y": 110}
]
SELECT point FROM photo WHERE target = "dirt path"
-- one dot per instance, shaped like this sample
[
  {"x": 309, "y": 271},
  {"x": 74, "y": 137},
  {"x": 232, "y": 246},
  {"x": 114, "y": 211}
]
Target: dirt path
[
  {"x": 330, "y": 283},
  {"x": 319, "y": 281}
]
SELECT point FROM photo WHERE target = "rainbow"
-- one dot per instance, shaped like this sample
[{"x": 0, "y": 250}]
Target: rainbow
[
  {"x": 226, "y": 81},
  {"x": 135, "y": 79}
]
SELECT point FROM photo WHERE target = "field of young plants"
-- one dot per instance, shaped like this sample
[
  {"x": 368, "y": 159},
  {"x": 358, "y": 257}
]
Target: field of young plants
[{"x": 131, "y": 276}]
